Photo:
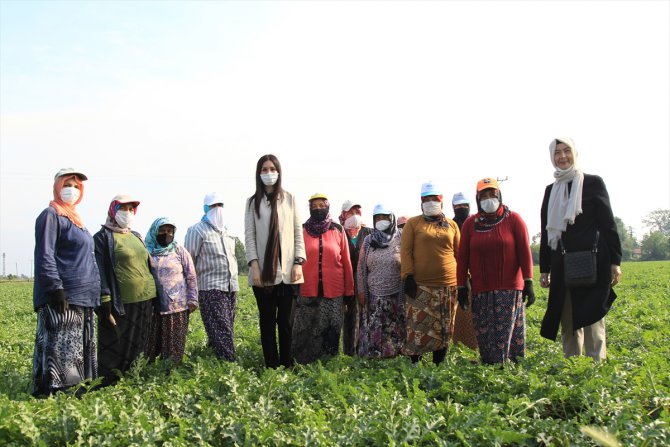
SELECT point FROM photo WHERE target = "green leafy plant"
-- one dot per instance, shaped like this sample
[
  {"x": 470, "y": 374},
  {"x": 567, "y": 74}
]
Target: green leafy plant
[{"x": 543, "y": 400}]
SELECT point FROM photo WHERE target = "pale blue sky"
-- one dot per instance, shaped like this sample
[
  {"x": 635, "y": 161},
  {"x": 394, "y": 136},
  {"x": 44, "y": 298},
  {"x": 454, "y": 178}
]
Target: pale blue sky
[{"x": 360, "y": 100}]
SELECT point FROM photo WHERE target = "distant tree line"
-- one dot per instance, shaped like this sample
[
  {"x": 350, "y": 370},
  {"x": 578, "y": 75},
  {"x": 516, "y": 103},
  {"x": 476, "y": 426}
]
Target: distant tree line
[{"x": 654, "y": 246}]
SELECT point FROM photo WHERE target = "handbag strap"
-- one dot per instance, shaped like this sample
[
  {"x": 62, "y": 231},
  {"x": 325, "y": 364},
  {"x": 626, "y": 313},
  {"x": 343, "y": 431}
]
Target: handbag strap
[{"x": 595, "y": 243}]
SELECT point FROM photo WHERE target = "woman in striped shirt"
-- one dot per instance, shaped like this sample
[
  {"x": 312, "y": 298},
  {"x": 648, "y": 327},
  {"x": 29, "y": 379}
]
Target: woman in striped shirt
[{"x": 213, "y": 252}]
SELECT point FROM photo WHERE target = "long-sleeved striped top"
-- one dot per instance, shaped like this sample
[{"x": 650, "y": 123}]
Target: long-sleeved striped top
[{"x": 213, "y": 253}]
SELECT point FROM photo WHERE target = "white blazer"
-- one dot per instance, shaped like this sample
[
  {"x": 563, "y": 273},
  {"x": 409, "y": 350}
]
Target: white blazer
[{"x": 291, "y": 243}]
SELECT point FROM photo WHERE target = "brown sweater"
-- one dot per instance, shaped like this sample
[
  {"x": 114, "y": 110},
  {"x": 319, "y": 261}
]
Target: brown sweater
[{"x": 429, "y": 251}]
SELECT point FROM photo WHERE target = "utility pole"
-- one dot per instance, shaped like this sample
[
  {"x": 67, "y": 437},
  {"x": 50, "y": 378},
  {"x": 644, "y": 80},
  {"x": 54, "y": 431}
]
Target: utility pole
[{"x": 4, "y": 255}]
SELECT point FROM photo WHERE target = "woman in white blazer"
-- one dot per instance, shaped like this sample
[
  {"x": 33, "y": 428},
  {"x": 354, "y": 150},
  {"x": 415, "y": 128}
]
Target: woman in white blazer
[{"x": 275, "y": 251}]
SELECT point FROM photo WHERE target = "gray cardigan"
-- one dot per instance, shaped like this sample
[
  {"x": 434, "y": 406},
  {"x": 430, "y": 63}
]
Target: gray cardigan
[{"x": 256, "y": 232}]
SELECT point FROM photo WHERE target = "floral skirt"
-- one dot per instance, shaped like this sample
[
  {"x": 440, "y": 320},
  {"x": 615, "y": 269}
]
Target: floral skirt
[
  {"x": 167, "y": 338},
  {"x": 500, "y": 323},
  {"x": 217, "y": 309},
  {"x": 65, "y": 352},
  {"x": 430, "y": 319},
  {"x": 317, "y": 324},
  {"x": 382, "y": 328}
]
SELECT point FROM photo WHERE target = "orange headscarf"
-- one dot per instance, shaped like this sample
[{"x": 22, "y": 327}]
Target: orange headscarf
[{"x": 62, "y": 208}]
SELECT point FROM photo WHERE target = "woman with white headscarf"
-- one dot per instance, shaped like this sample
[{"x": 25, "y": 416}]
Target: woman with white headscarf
[{"x": 576, "y": 213}]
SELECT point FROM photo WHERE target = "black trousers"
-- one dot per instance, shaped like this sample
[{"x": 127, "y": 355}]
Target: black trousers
[{"x": 274, "y": 316}]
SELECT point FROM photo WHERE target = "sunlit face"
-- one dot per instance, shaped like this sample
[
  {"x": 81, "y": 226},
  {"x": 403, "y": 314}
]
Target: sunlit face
[
  {"x": 488, "y": 193},
  {"x": 166, "y": 229},
  {"x": 317, "y": 204},
  {"x": 425, "y": 199},
  {"x": 268, "y": 167},
  {"x": 70, "y": 183},
  {"x": 352, "y": 211},
  {"x": 563, "y": 156},
  {"x": 127, "y": 207}
]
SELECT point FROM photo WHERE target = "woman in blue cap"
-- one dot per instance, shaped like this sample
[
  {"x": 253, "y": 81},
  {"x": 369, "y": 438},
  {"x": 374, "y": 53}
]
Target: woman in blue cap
[
  {"x": 428, "y": 267},
  {"x": 379, "y": 288}
]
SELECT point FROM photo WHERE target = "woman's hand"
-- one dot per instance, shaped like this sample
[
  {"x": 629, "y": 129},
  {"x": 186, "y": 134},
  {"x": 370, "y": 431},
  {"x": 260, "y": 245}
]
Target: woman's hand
[
  {"x": 544, "y": 280},
  {"x": 616, "y": 275},
  {"x": 296, "y": 273},
  {"x": 255, "y": 274}
]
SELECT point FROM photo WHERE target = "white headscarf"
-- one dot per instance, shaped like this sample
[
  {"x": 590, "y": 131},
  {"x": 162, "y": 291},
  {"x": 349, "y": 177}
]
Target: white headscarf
[{"x": 564, "y": 207}]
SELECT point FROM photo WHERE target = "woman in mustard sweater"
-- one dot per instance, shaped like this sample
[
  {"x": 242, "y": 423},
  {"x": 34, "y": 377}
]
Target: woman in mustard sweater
[{"x": 428, "y": 268}]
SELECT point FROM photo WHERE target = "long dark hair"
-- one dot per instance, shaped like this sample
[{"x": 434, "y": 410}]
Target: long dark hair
[
  {"x": 260, "y": 187},
  {"x": 272, "y": 249}
]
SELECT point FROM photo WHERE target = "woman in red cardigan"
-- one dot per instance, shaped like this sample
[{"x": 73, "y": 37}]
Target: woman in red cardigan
[
  {"x": 496, "y": 252},
  {"x": 328, "y": 279}
]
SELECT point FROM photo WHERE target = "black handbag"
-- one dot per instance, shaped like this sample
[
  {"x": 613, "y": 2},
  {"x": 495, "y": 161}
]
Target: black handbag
[{"x": 579, "y": 267}]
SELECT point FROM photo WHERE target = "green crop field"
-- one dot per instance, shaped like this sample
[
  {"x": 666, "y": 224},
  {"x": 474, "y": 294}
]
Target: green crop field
[{"x": 542, "y": 400}]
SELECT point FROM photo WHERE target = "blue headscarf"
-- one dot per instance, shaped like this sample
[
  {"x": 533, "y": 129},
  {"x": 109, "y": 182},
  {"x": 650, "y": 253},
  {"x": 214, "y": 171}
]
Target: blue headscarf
[{"x": 152, "y": 244}]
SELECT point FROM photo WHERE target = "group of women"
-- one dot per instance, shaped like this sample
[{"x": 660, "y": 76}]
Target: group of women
[{"x": 407, "y": 286}]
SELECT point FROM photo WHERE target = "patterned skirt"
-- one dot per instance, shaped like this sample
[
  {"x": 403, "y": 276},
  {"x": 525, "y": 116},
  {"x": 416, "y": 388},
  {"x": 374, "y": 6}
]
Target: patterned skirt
[
  {"x": 317, "y": 323},
  {"x": 167, "y": 338},
  {"x": 119, "y": 346},
  {"x": 217, "y": 309},
  {"x": 430, "y": 319},
  {"x": 383, "y": 328},
  {"x": 65, "y": 352},
  {"x": 500, "y": 323}
]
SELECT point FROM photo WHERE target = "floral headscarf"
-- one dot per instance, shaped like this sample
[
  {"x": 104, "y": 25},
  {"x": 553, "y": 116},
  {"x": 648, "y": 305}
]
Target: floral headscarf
[{"x": 114, "y": 206}]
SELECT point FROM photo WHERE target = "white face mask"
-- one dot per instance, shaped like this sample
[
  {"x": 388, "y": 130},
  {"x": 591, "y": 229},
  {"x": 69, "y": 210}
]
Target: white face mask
[
  {"x": 70, "y": 195},
  {"x": 215, "y": 217},
  {"x": 383, "y": 225},
  {"x": 431, "y": 208},
  {"x": 353, "y": 221},
  {"x": 269, "y": 179},
  {"x": 125, "y": 219},
  {"x": 490, "y": 205}
]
